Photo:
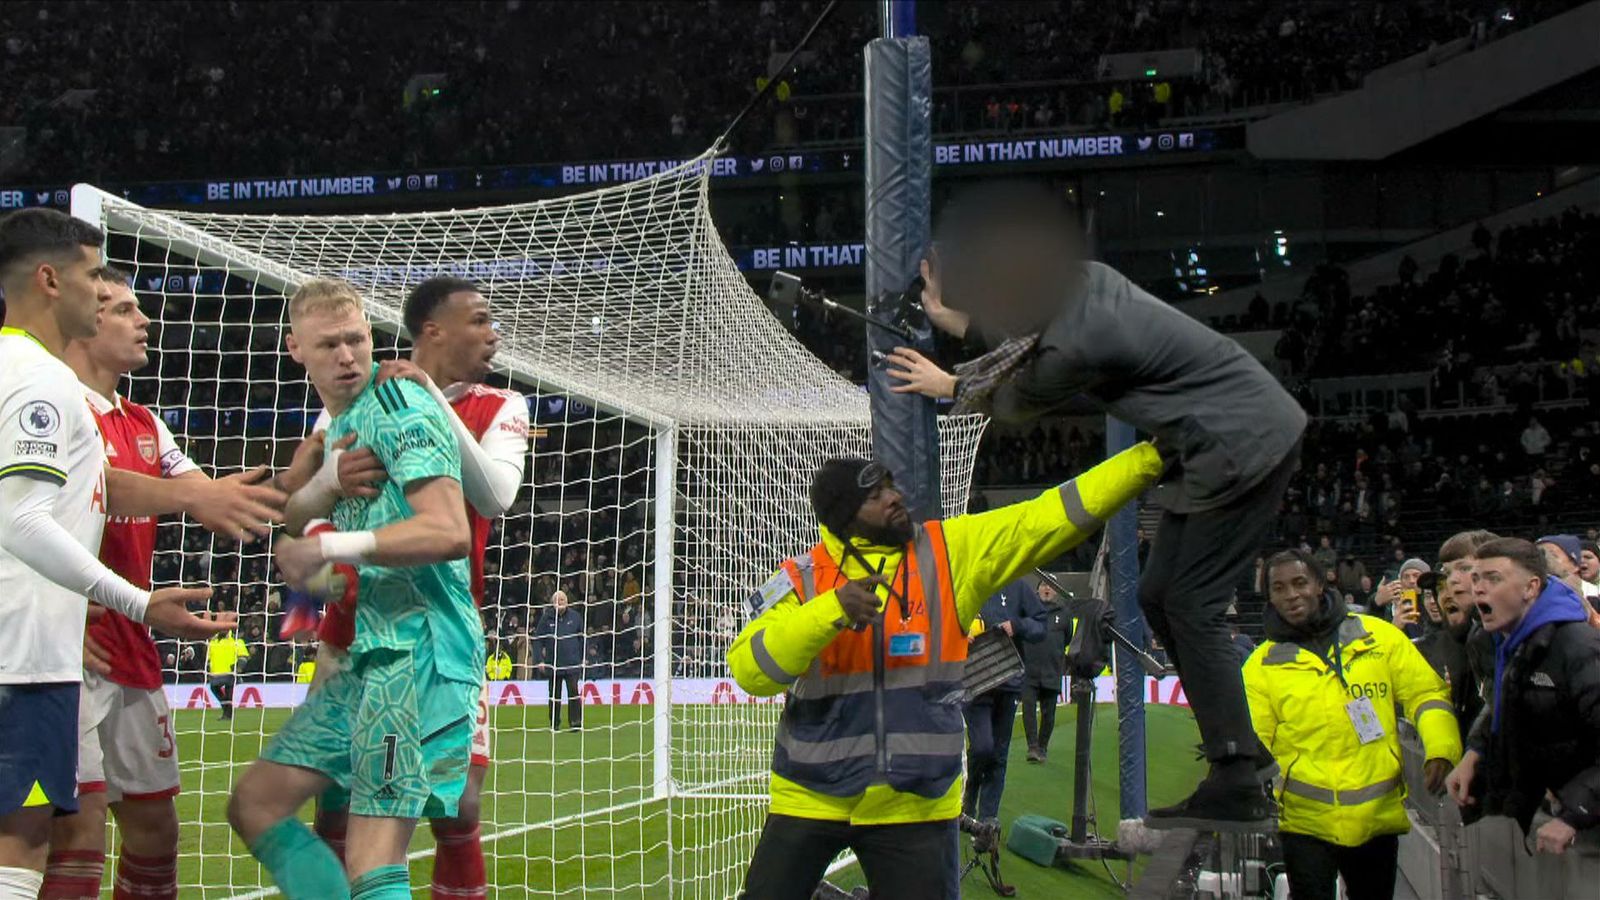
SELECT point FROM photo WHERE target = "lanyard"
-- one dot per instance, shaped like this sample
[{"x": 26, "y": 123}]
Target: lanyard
[{"x": 903, "y": 574}]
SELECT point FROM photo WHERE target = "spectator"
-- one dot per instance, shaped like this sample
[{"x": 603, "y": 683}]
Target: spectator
[
  {"x": 1326, "y": 556},
  {"x": 1017, "y": 611},
  {"x": 1401, "y": 598},
  {"x": 1351, "y": 571},
  {"x": 1343, "y": 791},
  {"x": 1563, "y": 557},
  {"x": 1445, "y": 648},
  {"x": 1242, "y": 642},
  {"x": 1539, "y": 734},
  {"x": 1589, "y": 567},
  {"x": 1044, "y": 664},
  {"x": 561, "y": 655},
  {"x": 1535, "y": 440}
]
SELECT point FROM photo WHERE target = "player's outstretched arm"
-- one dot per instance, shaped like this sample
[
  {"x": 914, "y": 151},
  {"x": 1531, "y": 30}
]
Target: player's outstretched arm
[
  {"x": 436, "y": 532},
  {"x": 990, "y": 550},
  {"x": 30, "y": 532},
  {"x": 237, "y": 506}
]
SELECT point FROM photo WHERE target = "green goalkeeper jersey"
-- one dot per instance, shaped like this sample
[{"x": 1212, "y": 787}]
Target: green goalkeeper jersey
[{"x": 400, "y": 607}]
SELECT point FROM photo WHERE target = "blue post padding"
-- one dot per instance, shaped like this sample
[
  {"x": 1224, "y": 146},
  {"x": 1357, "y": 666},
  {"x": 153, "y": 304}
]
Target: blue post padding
[
  {"x": 1123, "y": 534},
  {"x": 899, "y": 178},
  {"x": 899, "y": 18}
]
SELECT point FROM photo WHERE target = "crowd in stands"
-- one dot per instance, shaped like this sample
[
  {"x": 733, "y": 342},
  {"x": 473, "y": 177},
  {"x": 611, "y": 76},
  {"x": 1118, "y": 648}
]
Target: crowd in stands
[{"x": 297, "y": 88}]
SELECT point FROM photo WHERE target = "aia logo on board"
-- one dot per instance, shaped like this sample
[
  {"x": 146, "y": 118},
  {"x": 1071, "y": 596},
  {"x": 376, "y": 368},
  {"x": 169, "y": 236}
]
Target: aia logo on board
[{"x": 147, "y": 448}]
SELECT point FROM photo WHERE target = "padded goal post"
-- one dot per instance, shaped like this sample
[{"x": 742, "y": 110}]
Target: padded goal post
[{"x": 676, "y": 428}]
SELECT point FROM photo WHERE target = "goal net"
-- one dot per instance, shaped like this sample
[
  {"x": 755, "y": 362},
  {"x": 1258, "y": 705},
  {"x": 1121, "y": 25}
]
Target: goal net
[{"x": 676, "y": 428}]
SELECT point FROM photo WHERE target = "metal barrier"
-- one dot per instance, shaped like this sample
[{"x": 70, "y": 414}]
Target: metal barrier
[{"x": 1490, "y": 858}]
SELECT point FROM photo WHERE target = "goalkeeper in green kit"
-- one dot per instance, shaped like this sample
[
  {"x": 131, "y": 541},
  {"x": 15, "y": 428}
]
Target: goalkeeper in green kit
[{"x": 395, "y": 727}]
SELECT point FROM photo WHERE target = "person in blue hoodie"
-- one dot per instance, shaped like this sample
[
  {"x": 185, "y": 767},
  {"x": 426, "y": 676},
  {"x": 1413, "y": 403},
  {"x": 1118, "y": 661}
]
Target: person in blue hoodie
[
  {"x": 1539, "y": 733},
  {"x": 1016, "y": 610}
]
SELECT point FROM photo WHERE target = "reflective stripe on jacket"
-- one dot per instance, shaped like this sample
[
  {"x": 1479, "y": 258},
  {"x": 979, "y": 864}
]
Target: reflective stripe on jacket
[
  {"x": 1334, "y": 787},
  {"x": 985, "y": 552},
  {"x": 861, "y": 713}
]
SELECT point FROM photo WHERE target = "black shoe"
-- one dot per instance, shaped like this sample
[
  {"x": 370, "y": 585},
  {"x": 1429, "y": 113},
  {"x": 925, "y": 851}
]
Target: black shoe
[
  {"x": 1034, "y": 756},
  {"x": 1217, "y": 805}
]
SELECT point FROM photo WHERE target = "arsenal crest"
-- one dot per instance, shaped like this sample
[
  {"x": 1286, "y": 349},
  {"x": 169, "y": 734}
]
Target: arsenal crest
[{"x": 147, "y": 448}]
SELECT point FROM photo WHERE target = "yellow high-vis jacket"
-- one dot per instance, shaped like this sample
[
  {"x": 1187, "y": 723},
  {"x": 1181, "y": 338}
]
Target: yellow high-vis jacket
[
  {"x": 224, "y": 652},
  {"x": 306, "y": 672},
  {"x": 986, "y": 552},
  {"x": 1335, "y": 787},
  {"x": 498, "y": 666}
]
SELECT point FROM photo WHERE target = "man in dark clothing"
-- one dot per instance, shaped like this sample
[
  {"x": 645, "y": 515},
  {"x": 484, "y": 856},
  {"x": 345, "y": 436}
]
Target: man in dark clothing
[
  {"x": 1044, "y": 666},
  {"x": 1015, "y": 610},
  {"x": 1445, "y": 647},
  {"x": 1011, "y": 258},
  {"x": 560, "y": 640},
  {"x": 1243, "y": 646},
  {"x": 1539, "y": 732}
]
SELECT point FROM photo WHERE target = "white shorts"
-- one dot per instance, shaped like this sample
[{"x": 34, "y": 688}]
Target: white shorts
[
  {"x": 126, "y": 746},
  {"x": 480, "y": 729}
]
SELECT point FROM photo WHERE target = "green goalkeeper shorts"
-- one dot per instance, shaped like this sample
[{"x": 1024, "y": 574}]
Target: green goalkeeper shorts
[{"x": 390, "y": 732}]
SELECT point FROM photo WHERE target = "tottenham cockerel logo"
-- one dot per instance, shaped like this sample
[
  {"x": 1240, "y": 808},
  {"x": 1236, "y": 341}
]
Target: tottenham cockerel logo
[{"x": 40, "y": 419}]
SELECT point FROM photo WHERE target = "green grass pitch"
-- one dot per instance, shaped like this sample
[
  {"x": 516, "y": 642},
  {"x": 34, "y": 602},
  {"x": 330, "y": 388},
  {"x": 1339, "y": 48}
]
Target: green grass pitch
[{"x": 538, "y": 845}]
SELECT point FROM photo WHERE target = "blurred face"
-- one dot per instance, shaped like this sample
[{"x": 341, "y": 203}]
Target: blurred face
[
  {"x": 1559, "y": 563},
  {"x": 122, "y": 344},
  {"x": 462, "y": 334},
  {"x": 335, "y": 346},
  {"x": 1408, "y": 578},
  {"x": 1047, "y": 593},
  {"x": 1294, "y": 592},
  {"x": 559, "y": 600},
  {"x": 1589, "y": 566},
  {"x": 1502, "y": 591},
  {"x": 1014, "y": 278}
]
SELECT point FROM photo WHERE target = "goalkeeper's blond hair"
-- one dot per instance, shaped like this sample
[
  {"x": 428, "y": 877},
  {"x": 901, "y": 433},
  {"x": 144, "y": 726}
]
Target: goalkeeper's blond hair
[{"x": 325, "y": 295}]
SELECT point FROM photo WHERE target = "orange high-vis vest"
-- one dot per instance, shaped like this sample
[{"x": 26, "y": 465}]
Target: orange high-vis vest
[{"x": 881, "y": 705}]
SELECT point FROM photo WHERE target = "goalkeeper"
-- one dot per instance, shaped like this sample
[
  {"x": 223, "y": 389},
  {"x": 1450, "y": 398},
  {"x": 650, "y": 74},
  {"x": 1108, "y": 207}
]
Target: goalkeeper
[
  {"x": 395, "y": 728},
  {"x": 867, "y": 633}
]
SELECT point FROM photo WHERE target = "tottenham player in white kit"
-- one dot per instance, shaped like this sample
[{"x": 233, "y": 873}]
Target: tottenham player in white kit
[
  {"x": 454, "y": 341},
  {"x": 55, "y": 494},
  {"x": 127, "y": 752}
]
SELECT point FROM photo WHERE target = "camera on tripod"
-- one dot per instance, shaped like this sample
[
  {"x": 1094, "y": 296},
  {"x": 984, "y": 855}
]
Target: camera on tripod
[{"x": 985, "y": 834}]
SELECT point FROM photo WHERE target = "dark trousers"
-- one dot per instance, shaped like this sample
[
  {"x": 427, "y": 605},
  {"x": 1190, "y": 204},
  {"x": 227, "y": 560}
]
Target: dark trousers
[
  {"x": 222, "y": 686},
  {"x": 568, "y": 677},
  {"x": 1314, "y": 866},
  {"x": 1039, "y": 715},
  {"x": 989, "y": 717},
  {"x": 915, "y": 861},
  {"x": 1195, "y": 563}
]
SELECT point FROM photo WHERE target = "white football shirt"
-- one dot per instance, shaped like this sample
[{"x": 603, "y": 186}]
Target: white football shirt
[{"x": 46, "y": 431}]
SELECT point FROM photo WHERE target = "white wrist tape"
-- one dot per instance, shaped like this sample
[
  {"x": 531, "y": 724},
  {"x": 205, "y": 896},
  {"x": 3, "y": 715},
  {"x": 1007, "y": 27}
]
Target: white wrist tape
[{"x": 351, "y": 547}]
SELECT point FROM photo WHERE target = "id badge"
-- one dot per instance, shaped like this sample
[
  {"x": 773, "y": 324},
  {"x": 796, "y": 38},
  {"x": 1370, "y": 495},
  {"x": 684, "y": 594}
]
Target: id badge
[
  {"x": 1364, "y": 717},
  {"x": 906, "y": 643}
]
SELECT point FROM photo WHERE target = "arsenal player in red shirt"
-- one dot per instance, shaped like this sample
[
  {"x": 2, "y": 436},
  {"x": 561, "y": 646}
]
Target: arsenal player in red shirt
[
  {"x": 127, "y": 757},
  {"x": 454, "y": 340}
]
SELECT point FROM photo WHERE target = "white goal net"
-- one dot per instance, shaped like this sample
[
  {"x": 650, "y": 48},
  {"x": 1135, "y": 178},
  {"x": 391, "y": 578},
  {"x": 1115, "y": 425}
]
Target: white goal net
[{"x": 676, "y": 428}]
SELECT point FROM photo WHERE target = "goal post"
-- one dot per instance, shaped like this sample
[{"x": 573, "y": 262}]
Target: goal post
[{"x": 677, "y": 425}]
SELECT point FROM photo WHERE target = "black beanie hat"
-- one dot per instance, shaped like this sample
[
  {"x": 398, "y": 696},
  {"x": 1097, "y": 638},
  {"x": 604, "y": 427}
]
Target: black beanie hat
[{"x": 840, "y": 487}]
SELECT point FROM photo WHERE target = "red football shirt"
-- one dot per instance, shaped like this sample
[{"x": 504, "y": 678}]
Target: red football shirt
[
  {"x": 499, "y": 420},
  {"x": 136, "y": 441}
]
